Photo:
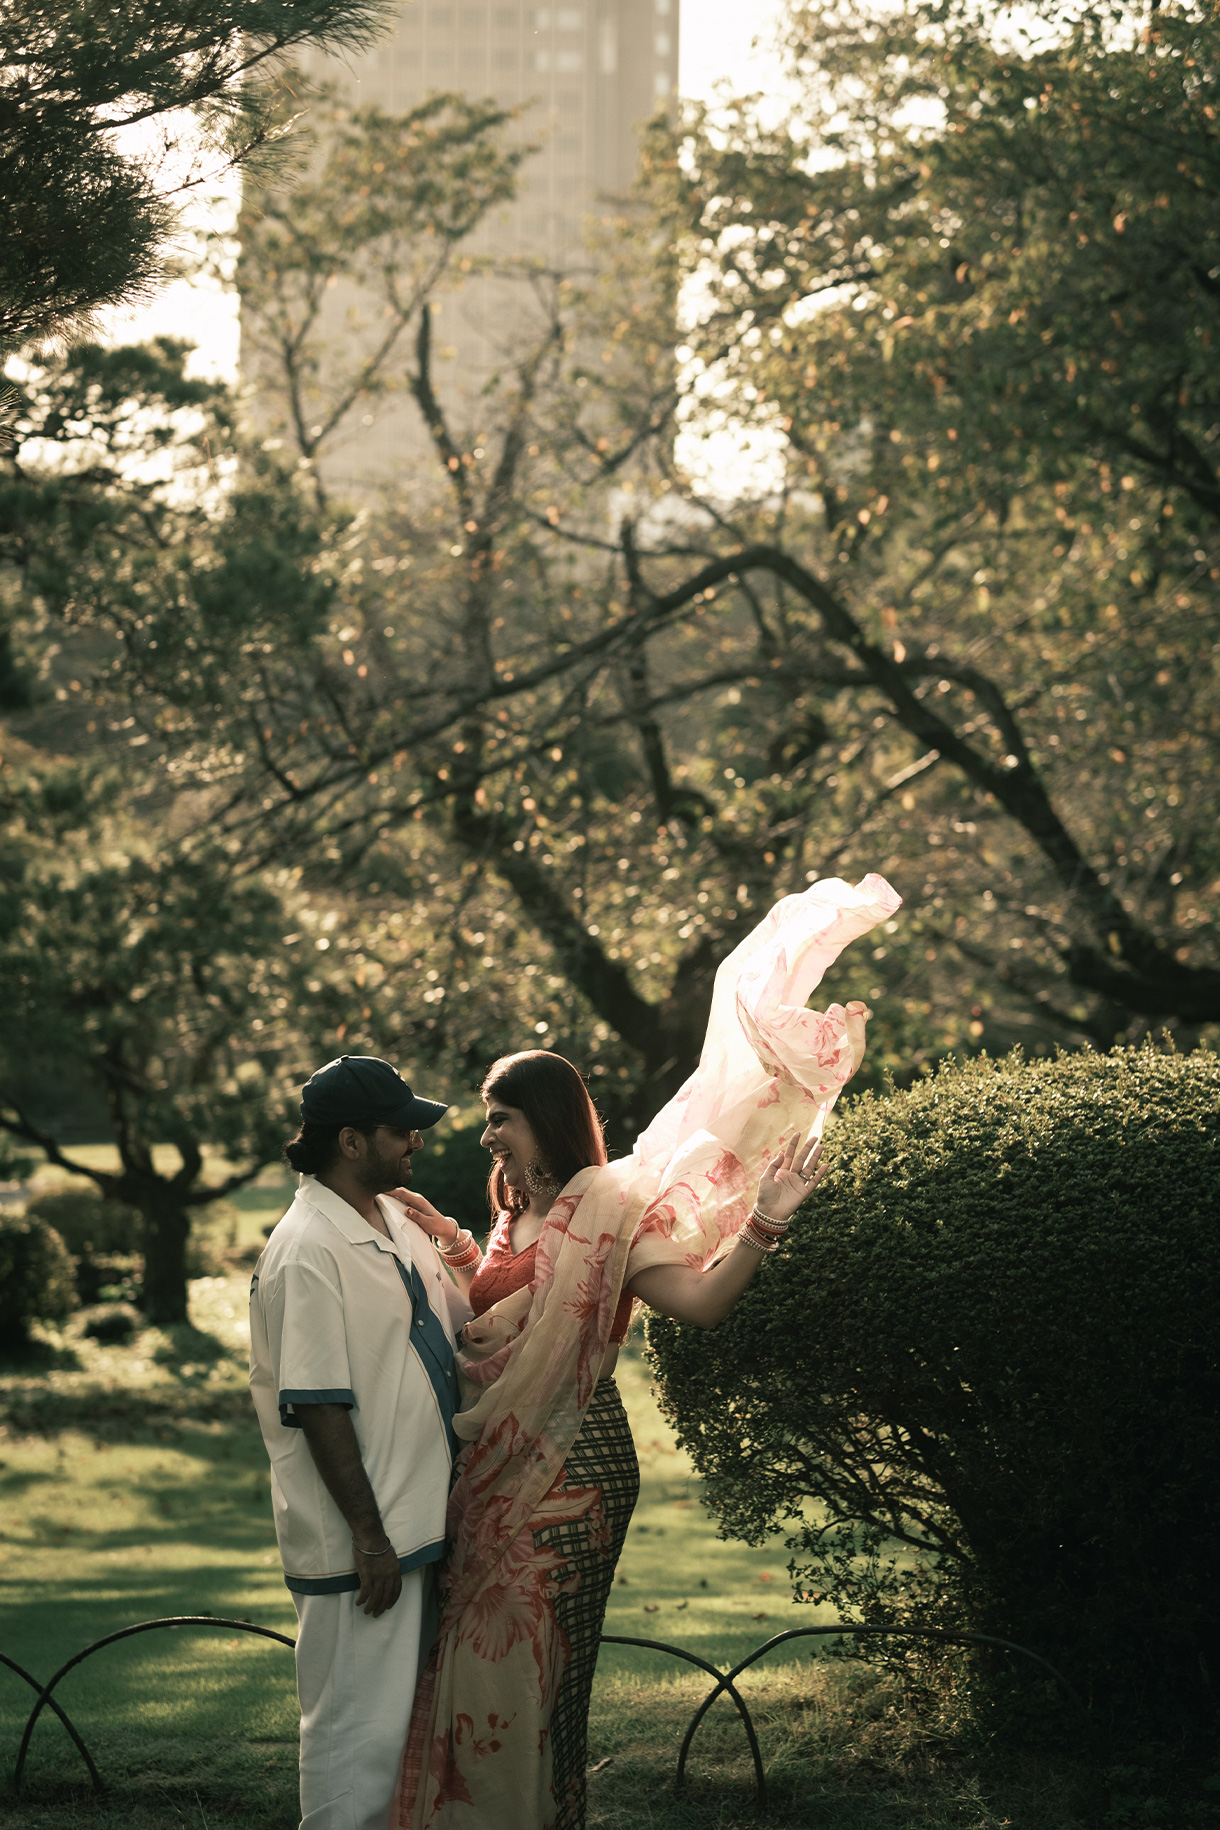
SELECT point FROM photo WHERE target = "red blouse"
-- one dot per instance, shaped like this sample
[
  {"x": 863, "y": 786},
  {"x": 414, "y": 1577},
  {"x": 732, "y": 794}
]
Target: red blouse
[{"x": 503, "y": 1271}]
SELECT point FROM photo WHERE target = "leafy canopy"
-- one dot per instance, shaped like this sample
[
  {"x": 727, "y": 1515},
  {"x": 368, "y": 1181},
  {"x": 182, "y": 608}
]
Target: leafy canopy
[{"x": 539, "y": 729}]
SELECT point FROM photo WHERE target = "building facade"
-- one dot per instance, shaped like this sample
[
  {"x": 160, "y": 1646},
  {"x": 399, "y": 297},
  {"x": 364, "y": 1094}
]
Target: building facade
[{"x": 586, "y": 75}]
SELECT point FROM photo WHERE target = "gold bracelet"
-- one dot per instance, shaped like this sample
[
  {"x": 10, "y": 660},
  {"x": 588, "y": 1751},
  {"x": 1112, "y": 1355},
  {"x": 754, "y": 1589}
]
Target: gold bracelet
[{"x": 361, "y": 1552}]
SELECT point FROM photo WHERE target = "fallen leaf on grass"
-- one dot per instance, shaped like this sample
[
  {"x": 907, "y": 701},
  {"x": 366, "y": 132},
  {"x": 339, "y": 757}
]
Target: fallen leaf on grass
[
  {"x": 760, "y": 1617},
  {"x": 652, "y": 1607},
  {"x": 598, "y": 1765}
]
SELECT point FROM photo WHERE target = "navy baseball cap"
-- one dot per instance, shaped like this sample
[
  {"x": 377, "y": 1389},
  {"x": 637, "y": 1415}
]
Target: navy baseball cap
[{"x": 364, "y": 1090}]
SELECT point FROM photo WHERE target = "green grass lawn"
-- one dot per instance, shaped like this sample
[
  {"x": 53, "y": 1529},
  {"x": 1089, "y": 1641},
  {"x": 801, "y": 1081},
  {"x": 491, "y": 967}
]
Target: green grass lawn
[{"x": 133, "y": 1484}]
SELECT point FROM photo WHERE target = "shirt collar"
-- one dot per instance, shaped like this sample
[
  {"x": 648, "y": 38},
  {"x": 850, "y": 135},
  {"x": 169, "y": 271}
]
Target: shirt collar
[{"x": 354, "y": 1227}]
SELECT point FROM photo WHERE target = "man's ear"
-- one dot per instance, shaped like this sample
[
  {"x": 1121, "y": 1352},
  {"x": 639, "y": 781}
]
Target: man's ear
[{"x": 350, "y": 1141}]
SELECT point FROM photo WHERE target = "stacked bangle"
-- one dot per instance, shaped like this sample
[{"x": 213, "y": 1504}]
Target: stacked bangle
[
  {"x": 762, "y": 1232},
  {"x": 462, "y": 1252}
]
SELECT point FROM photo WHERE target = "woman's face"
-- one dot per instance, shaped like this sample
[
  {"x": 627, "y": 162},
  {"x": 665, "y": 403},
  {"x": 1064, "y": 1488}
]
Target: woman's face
[{"x": 511, "y": 1141}]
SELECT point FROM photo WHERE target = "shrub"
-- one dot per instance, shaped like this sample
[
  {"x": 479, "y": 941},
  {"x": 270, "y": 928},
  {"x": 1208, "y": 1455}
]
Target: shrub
[
  {"x": 35, "y": 1277},
  {"x": 87, "y": 1223},
  {"x": 106, "y": 1239},
  {"x": 980, "y": 1385},
  {"x": 110, "y": 1324},
  {"x": 14, "y": 1167},
  {"x": 116, "y": 1278}
]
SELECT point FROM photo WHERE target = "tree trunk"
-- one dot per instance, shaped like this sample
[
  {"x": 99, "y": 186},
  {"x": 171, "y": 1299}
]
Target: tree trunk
[
  {"x": 670, "y": 1046},
  {"x": 625, "y": 1114},
  {"x": 167, "y": 1225}
]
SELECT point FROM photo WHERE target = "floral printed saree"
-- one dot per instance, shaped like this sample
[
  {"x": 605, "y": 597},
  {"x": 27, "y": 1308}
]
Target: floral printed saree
[{"x": 479, "y": 1755}]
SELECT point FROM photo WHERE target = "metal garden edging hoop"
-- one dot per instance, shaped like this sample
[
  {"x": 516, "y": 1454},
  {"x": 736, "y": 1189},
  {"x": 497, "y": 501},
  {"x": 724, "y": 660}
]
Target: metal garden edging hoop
[
  {"x": 724, "y": 1685},
  {"x": 45, "y": 1695}
]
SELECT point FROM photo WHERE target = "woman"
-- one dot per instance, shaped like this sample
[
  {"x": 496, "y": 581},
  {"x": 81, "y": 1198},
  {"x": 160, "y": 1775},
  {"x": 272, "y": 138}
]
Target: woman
[{"x": 543, "y": 1495}]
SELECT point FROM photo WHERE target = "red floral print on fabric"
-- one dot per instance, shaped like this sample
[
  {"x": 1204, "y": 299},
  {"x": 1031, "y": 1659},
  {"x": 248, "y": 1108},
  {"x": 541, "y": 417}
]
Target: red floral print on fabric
[{"x": 529, "y": 1364}]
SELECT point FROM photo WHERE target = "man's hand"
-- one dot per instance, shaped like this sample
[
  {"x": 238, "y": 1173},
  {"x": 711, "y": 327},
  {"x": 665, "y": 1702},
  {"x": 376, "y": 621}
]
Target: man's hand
[
  {"x": 336, "y": 1453},
  {"x": 380, "y": 1581}
]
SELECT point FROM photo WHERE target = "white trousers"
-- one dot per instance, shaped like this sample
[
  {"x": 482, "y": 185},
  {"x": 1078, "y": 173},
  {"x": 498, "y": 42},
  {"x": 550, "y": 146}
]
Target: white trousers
[{"x": 356, "y": 1682}]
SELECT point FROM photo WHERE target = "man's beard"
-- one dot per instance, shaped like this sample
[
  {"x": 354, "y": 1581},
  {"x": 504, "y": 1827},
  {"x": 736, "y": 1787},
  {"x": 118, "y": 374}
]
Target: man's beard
[{"x": 381, "y": 1173}]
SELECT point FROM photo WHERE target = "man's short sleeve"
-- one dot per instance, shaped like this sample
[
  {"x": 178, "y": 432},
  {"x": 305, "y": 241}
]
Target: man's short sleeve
[{"x": 308, "y": 1341}]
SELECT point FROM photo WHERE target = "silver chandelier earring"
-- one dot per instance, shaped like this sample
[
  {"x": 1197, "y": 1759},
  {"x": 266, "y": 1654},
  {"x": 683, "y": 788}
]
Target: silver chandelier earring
[{"x": 539, "y": 1180}]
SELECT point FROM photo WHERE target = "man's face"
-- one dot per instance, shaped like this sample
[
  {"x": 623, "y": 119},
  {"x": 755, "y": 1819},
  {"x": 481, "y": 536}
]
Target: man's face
[{"x": 386, "y": 1161}]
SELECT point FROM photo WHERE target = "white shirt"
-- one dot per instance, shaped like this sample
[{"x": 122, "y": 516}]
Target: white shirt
[{"x": 330, "y": 1323}]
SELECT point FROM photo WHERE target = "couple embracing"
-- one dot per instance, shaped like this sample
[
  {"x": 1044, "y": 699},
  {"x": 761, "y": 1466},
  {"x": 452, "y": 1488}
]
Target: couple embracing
[{"x": 452, "y": 1470}]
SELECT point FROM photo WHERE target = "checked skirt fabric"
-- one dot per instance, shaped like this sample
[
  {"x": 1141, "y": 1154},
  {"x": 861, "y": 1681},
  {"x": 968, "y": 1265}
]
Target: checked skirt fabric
[{"x": 603, "y": 1456}]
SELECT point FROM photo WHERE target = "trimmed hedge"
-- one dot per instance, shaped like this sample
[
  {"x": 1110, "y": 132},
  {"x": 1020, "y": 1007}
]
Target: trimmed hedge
[
  {"x": 88, "y": 1223},
  {"x": 106, "y": 1239},
  {"x": 981, "y": 1383},
  {"x": 36, "y": 1282}
]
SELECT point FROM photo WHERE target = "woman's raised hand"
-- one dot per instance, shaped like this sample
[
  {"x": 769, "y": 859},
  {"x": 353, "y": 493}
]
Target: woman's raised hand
[
  {"x": 430, "y": 1218},
  {"x": 791, "y": 1175}
]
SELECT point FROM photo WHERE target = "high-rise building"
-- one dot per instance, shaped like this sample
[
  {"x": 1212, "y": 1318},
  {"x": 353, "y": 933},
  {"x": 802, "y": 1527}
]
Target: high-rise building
[{"x": 587, "y": 74}]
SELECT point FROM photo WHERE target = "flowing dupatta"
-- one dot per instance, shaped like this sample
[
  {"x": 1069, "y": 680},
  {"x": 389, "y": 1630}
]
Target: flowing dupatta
[{"x": 478, "y": 1755}]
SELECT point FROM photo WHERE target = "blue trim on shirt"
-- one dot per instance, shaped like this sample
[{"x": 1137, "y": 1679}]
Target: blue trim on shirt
[
  {"x": 431, "y": 1343},
  {"x": 346, "y": 1398},
  {"x": 344, "y": 1585}
]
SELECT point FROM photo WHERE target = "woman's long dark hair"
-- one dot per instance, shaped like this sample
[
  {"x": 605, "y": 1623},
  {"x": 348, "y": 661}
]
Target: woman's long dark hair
[{"x": 555, "y": 1102}]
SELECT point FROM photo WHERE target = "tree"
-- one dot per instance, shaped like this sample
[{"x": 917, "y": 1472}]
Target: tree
[
  {"x": 162, "y": 989},
  {"x": 965, "y": 329},
  {"x": 87, "y": 209},
  {"x": 200, "y": 653},
  {"x": 392, "y": 200},
  {"x": 359, "y": 738},
  {"x": 1036, "y": 266},
  {"x": 132, "y": 509},
  {"x": 145, "y": 982},
  {"x": 120, "y": 492},
  {"x": 577, "y": 713},
  {"x": 808, "y": 654}
]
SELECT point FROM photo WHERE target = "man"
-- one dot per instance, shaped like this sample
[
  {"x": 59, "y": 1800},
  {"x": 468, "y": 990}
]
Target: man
[{"x": 352, "y": 1326}]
